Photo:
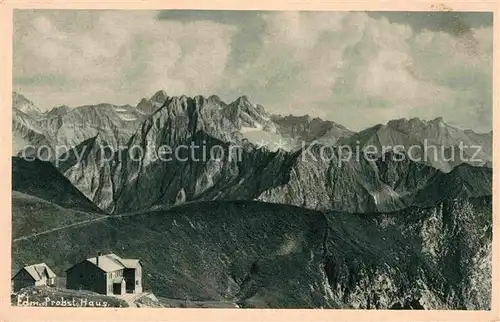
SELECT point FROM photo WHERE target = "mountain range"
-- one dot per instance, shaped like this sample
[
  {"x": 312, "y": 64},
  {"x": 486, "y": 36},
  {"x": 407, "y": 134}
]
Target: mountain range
[{"x": 305, "y": 230}]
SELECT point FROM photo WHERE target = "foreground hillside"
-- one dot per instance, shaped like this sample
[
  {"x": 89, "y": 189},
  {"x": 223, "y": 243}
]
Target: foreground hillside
[
  {"x": 32, "y": 215},
  {"x": 208, "y": 251},
  {"x": 43, "y": 199},
  {"x": 59, "y": 297},
  {"x": 268, "y": 255},
  {"x": 43, "y": 180}
]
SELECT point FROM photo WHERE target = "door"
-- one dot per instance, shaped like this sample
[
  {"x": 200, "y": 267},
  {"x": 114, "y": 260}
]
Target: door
[{"x": 117, "y": 288}]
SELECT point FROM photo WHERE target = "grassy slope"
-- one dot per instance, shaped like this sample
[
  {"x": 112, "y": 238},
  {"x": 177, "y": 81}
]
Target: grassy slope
[
  {"x": 71, "y": 298},
  {"x": 32, "y": 215},
  {"x": 41, "y": 179},
  {"x": 259, "y": 254},
  {"x": 270, "y": 255}
]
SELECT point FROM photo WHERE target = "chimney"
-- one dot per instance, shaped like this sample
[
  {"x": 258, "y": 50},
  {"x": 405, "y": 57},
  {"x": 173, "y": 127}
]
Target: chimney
[{"x": 97, "y": 259}]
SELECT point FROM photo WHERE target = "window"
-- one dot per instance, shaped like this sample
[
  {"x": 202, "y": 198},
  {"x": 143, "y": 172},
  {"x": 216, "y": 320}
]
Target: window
[{"x": 137, "y": 282}]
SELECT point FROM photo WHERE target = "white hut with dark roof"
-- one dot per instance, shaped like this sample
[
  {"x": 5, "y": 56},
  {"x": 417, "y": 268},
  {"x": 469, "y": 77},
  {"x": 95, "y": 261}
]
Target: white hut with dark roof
[{"x": 33, "y": 275}]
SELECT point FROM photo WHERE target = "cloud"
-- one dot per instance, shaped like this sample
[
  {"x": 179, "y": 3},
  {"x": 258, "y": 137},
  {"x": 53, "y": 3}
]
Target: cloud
[
  {"x": 359, "y": 70},
  {"x": 129, "y": 53},
  {"x": 453, "y": 23},
  {"x": 355, "y": 68}
]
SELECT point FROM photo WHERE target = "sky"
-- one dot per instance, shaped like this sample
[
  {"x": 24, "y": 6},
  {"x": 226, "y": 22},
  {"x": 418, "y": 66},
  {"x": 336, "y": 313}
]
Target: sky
[{"x": 355, "y": 68}]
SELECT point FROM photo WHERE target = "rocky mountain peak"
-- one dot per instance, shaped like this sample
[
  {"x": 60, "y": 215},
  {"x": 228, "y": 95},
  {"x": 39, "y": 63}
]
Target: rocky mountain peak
[
  {"x": 261, "y": 109},
  {"x": 414, "y": 123},
  {"x": 24, "y": 105},
  {"x": 243, "y": 105},
  {"x": 216, "y": 100},
  {"x": 306, "y": 119},
  {"x": 305, "y": 128},
  {"x": 438, "y": 120},
  {"x": 159, "y": 97},
  {"x": 149, "y": 106},
  {"x": 145, "y": 106},
  {"x": 243, "y": 100},
  {"x": 406, "y": 125},
  {"x": 143, "y": 101},
  {"x": 57, "y": 111},
  {"x": 249, "y": 117}
]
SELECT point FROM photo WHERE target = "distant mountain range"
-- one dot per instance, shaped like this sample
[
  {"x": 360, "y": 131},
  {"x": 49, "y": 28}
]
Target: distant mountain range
[
  {"x": 284, "y": 175},
  {"x": 240, "y": 119},
  {"x": 364, "y": 233}
]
